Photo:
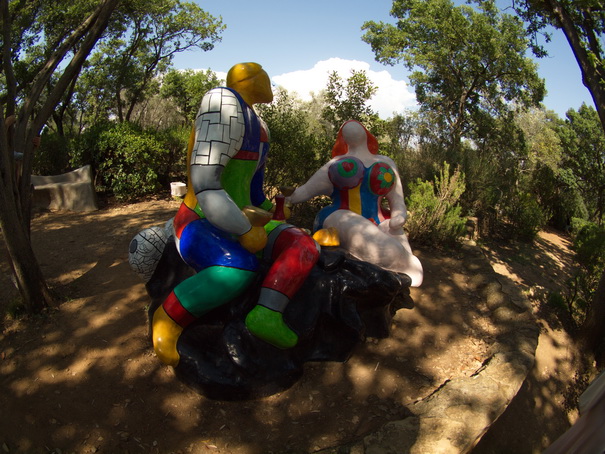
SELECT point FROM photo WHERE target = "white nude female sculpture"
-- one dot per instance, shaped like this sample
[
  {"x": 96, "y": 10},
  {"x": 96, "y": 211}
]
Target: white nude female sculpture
[{"x": 358, "y": 179}]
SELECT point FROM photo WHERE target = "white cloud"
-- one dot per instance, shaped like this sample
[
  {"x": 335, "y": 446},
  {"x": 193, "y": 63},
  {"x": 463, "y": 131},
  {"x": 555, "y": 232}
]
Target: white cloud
[{"x": 391, "y": 95}]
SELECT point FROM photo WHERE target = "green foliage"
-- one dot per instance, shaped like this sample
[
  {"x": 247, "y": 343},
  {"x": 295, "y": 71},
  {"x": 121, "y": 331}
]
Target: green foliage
[
  {"x": 467, "y": 65},
  {"x": 471, "y": 76},
  {"x": 396, "y": 140},
  {"x": 129, "y": 162},
  {"x": 435, "y": 216},
  {"x": 581, "y": 21},
  {"x": 589, "y": 246},
  {"x": 583, "y": 143},
  {"x": 578, "y": 224},
  {"x": 187, "y": 88},
  {"x": 557, "y": 301},
  {"x": 294, "y": 154},
  {"x": 559, "y": 199},
  {"x": 525, "y": 216},
  {"x": 52, "y": 157},
  {"x": 347, "y": 100},
  {"x": 146, "y": 37},
  {"x": 174, "y": 141},
  {"x": 38, "y": 29}
]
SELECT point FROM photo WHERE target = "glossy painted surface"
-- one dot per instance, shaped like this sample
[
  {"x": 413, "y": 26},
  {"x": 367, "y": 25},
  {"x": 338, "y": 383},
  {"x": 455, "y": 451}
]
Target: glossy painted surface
[
  {"x": 358, "y": 181},
  {"x": 224, "y": 222}
]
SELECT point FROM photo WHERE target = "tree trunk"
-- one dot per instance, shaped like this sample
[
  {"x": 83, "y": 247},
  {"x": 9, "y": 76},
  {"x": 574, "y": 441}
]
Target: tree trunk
[
  {"x": 27, "y": 272},
  {"x": 591, "y": 76},
  {"x": 31, "y": 116},
  {"x": 30, "y": 281}
]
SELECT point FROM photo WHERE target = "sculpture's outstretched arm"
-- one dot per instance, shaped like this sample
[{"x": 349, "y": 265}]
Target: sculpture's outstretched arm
[{"x": 318, "y": 184}]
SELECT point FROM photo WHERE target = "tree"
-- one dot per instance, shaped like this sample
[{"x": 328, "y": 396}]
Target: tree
[
  {"x": 469, "y": 66},
  {"x": 187, "y": 88},
  {"x": 347, "y": 100},
  {"x": 583, "y": 24},
  {"x": 545, "y": 171},
  {"x": 584, "y": 146},
  {"x": 126, "y": 65},
  {"x": 26, "y": 108},
  {"x": 295, "y": 153}
]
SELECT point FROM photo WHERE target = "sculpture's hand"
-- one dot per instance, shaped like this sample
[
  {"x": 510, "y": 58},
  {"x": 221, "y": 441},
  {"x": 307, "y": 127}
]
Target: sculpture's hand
[
  {"x": 255, "y": 239},
  {"x": 287, "y": 190},
  {"x": 397, "y": 222}
]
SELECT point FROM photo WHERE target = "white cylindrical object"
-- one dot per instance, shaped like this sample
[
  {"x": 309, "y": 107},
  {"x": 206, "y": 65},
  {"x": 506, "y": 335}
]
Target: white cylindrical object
[{"x": 178, "y": 189}]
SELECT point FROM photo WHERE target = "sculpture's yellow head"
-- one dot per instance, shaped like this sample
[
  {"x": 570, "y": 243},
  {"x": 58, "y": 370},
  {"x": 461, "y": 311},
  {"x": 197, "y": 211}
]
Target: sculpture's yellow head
[{"x": 251, "y": 81}]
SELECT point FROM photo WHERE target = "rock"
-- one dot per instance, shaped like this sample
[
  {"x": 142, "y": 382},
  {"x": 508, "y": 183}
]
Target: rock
[{"x": 342, "y": 301}]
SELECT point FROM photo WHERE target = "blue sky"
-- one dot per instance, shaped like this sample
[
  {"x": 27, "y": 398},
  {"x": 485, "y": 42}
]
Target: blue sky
[{"x": 299, "y": 42}]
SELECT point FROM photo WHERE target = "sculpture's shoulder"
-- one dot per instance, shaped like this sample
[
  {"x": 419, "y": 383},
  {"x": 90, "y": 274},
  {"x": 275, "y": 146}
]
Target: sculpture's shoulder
[
  {"x": 386, "y": 162},
  {"x": 219, "y": 127},
  {"x": 221, "y": 100}
]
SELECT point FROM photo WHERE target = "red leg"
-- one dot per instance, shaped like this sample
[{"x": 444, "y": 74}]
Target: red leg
[{"x": 294, "y": 254}]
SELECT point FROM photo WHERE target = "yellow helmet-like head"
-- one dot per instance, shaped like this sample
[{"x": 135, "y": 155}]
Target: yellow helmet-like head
[{"x": 251, "y": 81}]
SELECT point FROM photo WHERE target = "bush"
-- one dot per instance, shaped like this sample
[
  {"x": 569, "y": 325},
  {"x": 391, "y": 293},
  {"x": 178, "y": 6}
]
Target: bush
[
  {"x": 436, "y": 217},
  {"x": 174, "y": 140},
  {"x": 129, "y": 161},
  {"x": 589, "y": 246},
  {"x": 525, "y": 215},
  {"x": 578, "y": 224},
  {"x": 52, "y": 157}
]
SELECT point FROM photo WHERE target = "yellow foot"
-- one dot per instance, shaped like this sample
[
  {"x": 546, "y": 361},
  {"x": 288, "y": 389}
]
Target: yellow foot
[
  {"x": 327, "y": 237},
  {"x": 166, "y": 333}
]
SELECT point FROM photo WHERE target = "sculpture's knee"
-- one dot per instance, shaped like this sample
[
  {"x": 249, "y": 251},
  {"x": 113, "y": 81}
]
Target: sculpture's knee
[
  {"x": 294, "y": 255},
  {"x": 212, "y": 287}
]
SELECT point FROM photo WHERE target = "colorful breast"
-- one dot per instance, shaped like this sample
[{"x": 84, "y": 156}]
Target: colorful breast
[
  {"x": 381, "y": 178},
  {"x": 346, "y": 173}
]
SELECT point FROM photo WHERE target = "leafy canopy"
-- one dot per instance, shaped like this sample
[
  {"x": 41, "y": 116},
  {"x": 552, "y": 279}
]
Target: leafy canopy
[{"x": 466, "y": 63}]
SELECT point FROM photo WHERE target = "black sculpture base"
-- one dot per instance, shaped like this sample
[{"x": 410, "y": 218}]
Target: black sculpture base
[{"x": 342, "y": 301}]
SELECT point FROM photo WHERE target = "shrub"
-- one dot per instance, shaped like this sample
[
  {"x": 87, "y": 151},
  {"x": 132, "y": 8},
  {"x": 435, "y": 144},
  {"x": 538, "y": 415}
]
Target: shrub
[
  {"x": 174, "y": 140},
  {"x": 525, "y": 215},
  {"x": 127, "y": 160},
  {"x": 589, "y": 246},
  {"x": 436, "y": 216},
  {"x": 52, "y": 157}
]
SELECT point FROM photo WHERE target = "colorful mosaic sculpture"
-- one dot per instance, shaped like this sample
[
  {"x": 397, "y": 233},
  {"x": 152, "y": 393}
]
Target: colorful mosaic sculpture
[
  {"x": 359, "y": 181},
  {"x": 240, "y": 298}
]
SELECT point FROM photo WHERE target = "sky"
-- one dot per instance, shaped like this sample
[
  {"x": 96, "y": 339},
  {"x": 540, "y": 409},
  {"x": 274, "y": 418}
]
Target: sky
[{"x": 298, "y": 43}]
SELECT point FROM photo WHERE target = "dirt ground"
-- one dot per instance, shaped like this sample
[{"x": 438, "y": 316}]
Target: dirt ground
[{"x": 83, "y": 378}]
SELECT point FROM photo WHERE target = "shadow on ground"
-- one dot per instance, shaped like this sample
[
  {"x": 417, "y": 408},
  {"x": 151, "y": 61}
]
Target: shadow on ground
[
  {"x": 546, "y": 405},
  {"x": 83, "y": 378}
]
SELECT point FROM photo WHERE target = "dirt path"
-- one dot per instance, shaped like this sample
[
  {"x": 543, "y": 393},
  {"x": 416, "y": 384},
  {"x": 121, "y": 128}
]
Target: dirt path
[
  {"x": 84, "y": 379},
  {"x": 546, "y": 404}
]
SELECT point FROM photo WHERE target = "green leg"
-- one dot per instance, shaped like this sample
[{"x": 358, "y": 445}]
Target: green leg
[{"x": 212, "y": 287}]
